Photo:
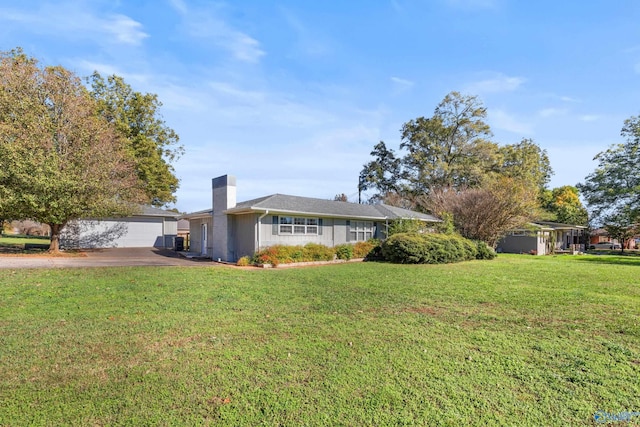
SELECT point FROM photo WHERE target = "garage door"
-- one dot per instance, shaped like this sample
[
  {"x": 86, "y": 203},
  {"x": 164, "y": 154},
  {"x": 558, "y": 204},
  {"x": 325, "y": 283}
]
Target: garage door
[{"x": 120, "y": 233}]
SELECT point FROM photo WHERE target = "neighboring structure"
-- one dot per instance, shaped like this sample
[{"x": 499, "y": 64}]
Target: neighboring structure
[
  {"x": 543, "y": 237},
  {"x": 183, "y": 231},
  {"x": 231, "y": 230},
  {"x": 600, "y": 235},
  {"x": 152, "y": 227}
]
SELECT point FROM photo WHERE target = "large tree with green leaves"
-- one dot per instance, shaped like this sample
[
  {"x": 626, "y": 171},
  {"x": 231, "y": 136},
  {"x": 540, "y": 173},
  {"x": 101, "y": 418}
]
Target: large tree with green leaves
[
  {"x": 153, "y": 145},
  {"x": 612, "y": 191},
  {"x": 563, "y": 205},
  {"x": 450, "y": 149},
  {"x": 526, "y": 161},
  {"x": 60, "y": 160}
]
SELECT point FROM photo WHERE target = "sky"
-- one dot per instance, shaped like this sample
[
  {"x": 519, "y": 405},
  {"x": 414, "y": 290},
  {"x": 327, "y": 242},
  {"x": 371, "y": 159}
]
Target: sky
[{"x": 291, "y": 96}]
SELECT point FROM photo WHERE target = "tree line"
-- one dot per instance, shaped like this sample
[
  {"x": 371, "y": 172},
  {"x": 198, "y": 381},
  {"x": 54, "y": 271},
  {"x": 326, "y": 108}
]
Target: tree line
[
  {"x": 73, "y": 148},
  {"x": 448, "y": 165}
]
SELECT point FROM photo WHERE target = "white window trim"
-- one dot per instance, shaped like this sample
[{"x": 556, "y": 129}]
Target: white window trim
[
  {"x": 361, "y": 231},
  {"x": 309, "y": 225}
]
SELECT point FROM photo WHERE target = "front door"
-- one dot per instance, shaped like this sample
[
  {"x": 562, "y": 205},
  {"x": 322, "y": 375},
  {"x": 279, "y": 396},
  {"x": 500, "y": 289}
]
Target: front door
[{"x": 203, "y": 249}]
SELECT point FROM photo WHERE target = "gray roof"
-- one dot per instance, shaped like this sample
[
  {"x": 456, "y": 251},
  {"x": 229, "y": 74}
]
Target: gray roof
[
  {"x": 281, "y": 203},
  {"x": 561, "y": 226}
]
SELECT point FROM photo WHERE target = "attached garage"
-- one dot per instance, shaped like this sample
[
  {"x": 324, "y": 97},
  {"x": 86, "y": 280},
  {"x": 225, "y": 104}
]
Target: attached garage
[{"x": 153, "y": 227}]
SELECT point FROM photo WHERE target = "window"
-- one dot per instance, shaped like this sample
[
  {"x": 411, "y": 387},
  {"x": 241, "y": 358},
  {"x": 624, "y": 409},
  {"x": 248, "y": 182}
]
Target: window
[
  {"x": 297, "y": 225},
  {"x": 360, "y": 231}
]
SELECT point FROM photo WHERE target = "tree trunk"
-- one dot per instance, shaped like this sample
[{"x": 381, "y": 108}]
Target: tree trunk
[{"x": 55, "y": 237}]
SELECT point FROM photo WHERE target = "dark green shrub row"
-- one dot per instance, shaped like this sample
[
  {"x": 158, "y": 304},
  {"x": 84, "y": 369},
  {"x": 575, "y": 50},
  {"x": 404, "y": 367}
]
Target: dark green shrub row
[{"x": 431, "y": 248}]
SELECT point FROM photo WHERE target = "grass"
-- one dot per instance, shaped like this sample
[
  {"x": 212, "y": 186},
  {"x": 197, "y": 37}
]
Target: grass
[
  {"x": 16, "y": 243},
  {"x": 520, "y": 340}
]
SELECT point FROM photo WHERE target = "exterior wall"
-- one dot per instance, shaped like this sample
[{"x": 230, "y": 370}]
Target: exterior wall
[
  {"x": 245, "y": 237},
  {"x": 523, "y": 244},
  {"x": 131, "y": 232},
  {"x": 195, "y": 235},
  {"x": 269, "y": 234}
]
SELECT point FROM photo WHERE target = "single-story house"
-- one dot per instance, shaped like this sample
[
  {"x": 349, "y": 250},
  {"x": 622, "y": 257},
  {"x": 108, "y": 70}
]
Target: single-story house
[
  {"x": 544, "y": 237},
  {"x": 231, "y": 230},
  {"x": 151, "y": 227},
  {"x": 600, "y": 235}
]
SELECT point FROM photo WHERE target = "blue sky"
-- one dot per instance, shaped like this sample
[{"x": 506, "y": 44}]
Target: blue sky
[{"x": 291, "y": 96}]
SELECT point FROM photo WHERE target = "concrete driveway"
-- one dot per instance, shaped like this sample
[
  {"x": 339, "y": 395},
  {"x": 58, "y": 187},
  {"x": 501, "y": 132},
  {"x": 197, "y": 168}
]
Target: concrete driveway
[{"x": 114, "y": 257}]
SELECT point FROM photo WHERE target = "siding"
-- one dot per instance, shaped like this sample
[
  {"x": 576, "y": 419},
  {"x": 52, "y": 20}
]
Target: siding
[
  {"x": 269, "y": 238},
  {"x": 195, "y": 235},
  {"x": 245, "y": 235},
  {"x": 132, "y": 232}
]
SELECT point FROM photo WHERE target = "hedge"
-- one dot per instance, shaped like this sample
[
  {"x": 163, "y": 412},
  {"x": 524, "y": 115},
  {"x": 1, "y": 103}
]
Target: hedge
[{"x": 431, "y": 248}]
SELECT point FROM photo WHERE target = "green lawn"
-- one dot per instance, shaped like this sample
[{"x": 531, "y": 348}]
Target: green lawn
[
  {"x": 10, "y": 243},
  {"x": 520, "y": 340}
]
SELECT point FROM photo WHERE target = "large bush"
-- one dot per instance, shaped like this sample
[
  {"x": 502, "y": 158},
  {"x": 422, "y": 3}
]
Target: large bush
[{"x": 431, "y": 248}]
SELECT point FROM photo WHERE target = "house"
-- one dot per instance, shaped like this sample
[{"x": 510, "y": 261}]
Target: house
[
  {"x": 600, "y": 235},
  {"x": 151, "y": 227},
  {"x": 544, "y": 237},
  {"x": 230, "y": 230}
]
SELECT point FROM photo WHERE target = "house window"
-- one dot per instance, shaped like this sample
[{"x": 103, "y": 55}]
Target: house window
[
  {"x": 297, "y": 225},
  {"x": 360, "y": 231}
]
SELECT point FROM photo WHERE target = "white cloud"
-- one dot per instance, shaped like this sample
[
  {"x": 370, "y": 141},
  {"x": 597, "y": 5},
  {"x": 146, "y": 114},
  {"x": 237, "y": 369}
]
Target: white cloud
[
  {"x": 500, "y": 119},
  {"x": 68, "y": 20},
  {"x": 205, "y": 24},
  {"x": 499, "y": 83},
  {"x": 552, "y": 112},
  {"x": 402, "y": 82},
  {"x": 125, "y": 29},
  {"x": 590, "y": 117}
]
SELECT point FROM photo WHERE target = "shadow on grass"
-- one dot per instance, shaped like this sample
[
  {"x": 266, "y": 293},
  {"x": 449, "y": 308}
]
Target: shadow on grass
[{"x": 629, "y": 260}]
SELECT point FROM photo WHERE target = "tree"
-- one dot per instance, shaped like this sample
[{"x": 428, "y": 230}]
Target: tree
[
  {"x": 382, "y": 174},
  {"x": 619, "y": 227},
  {"x": 612, "y": 191},
  {"x": 450, "y": 149},
  {"x": 152, "y": 143},
  {"x": 60, "y": 160},
  {"x": 526, "y": 161},
  {"x": 563, "y": 205},
  {"x": 486, "y": 213}
]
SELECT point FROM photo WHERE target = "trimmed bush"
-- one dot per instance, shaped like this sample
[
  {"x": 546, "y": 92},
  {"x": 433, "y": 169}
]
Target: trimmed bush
[
  {"x": 284, "y": 254},
  {"x": 317, "y": 252},
  {"x": 244, "y": 261},
  {"x": 484, "y": 250},
  {"x": 344, "y": 251},
  {"x": 428, "y": 248},
  {"x": 362, "y": 249}
]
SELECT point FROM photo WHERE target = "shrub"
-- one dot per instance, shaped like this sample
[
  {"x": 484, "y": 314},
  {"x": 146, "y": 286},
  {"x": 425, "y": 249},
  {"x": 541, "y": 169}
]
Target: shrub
[
  {"x": 406, "y": 226},
  {"x": 344, "y": 251},
  {"x": 362, "y": 249},
  {"x": 416, "y": 248},
  {"x": 317, "y": 252},
  {"x": 244, "y": 261},
  {"x": 484, "y": 251},
  {"x": 284, "y": 254}
]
